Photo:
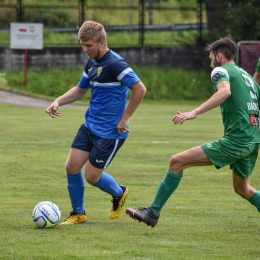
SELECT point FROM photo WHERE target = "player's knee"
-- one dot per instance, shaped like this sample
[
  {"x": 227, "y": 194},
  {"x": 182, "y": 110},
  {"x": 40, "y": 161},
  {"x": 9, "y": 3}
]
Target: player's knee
[
  {"x": 70, "y": 168},
  {"x": 91, "y": 179},
  {"x": 240, "y": 191},
  {"x": 176, "y": 164},
  {"x": 237, "y": 190}
]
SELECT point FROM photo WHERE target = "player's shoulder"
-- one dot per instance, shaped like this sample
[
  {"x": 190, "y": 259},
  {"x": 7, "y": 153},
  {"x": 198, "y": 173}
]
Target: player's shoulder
[
  {"x": 116, "y": 63},
  {"x": 115, "y": 56},
  {"x": 219, "y": 72},
  {"x": 116, "y": 60}
]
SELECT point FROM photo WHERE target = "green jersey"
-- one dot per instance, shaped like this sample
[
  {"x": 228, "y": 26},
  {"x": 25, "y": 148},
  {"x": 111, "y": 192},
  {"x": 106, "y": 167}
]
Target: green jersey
[{"x": 240, "y": 112}]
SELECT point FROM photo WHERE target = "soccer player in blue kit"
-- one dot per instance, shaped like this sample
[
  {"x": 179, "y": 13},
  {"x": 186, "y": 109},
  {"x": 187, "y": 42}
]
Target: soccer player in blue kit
[{"x": 109, "y": 78}]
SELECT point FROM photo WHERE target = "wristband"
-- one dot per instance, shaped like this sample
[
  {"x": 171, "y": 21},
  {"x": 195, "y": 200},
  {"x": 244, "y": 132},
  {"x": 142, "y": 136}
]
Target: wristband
[{"x": 258, "y": 66}]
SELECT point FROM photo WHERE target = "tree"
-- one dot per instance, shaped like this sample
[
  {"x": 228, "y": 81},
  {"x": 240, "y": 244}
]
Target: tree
[
  {"x": 243, "y": 19},
  {"x": 239, "y": 19},
  {"x": 213, "y": 14}
]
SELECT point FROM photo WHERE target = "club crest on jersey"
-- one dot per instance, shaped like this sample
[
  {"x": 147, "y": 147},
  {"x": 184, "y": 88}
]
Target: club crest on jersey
[
  {"x": 99, "y": 70},
  {"x": 215, "y": 77}
]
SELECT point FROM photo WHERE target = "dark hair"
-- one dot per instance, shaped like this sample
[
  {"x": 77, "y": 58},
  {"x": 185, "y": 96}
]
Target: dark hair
[{"x": 225, "y": 46}]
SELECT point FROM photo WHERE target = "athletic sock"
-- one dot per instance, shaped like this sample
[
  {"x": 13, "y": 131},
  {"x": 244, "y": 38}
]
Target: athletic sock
[
  {"x": 168, "y": 185},
  {"x": 255, "y": 200},
  {"x": 76, "y": 191},
  {"x": 108, "y": 184}
]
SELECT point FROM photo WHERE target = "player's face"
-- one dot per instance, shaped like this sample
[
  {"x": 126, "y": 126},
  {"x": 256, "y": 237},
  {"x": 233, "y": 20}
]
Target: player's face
[
  {"x": 93, "y": 49},
  {"x": 214, "y": 60}
]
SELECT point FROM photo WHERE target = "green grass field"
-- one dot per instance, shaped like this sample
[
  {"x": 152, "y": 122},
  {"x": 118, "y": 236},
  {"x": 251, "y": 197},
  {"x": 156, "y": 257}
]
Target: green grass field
[{"x": 204, "y": 219}]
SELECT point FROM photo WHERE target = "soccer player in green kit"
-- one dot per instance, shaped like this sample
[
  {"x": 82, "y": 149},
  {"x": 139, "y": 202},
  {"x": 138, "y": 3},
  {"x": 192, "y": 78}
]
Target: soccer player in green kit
[{"x": 238, "y": 94}]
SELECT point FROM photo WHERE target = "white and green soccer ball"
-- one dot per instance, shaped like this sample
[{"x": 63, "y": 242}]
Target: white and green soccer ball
[{"x": 46, "y": 214}]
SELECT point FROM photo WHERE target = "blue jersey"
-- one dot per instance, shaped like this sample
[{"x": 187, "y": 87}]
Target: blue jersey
[{"x": 109, "y": 79}]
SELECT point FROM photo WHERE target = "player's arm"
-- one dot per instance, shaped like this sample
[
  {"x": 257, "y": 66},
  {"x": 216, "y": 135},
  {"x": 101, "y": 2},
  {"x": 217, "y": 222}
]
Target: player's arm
[
  {"x": 138, "y": 92},
  {"x": 257, "y": 77},
  {"x": 257, "y": 72},
  {"x": 216, "y": 99},
  {"x": 71, "y": 96}
]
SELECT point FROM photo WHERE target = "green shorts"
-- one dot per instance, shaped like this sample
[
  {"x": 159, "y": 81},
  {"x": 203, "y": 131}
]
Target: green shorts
[{"x": 240, "y": 157}]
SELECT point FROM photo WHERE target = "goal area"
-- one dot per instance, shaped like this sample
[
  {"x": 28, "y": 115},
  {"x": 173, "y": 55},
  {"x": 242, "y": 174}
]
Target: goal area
[{"x": 248, "y": 53}]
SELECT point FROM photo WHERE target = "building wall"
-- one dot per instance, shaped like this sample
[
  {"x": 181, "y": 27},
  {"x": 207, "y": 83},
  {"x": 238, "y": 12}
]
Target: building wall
[{"x": 184, "y": 58}]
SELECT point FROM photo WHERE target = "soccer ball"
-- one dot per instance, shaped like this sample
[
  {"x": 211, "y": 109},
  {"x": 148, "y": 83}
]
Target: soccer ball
[{"x": 46, "y": 214}]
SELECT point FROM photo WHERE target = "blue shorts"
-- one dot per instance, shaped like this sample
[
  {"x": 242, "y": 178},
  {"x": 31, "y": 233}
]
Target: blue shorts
[{"x": 102, "y": 151}]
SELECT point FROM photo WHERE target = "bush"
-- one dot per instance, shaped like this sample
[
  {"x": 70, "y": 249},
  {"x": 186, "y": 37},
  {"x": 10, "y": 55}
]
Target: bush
[{"x": 161, "y": 83}]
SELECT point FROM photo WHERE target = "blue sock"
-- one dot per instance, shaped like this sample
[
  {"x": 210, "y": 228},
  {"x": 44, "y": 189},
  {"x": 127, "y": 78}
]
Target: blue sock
[
  {"x": 76, "y": 191},
  {"x": 108, "y": 184}
]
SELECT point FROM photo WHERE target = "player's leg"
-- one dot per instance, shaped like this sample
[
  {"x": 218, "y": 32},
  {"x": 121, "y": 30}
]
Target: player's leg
[
  {"x": 192, "y": 157},
  {"x": 103, "y": 152},
  {"x": 242, "y": 169},
  {"x": 242, "y": 186},
  {"x": 76, "y": 160},
  {"x": 104, "y": 181}
]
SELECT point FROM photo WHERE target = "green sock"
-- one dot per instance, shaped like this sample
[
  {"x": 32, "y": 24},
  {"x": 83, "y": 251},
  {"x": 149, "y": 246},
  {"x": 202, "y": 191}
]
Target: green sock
[
  {"x": 168, "y": 185},
  {"x": 255, "y": 200}
]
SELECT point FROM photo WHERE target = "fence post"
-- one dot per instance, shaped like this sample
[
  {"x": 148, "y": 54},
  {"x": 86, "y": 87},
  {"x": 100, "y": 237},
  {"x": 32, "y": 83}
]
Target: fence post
[
  {"x": 199, "y": 17},
  {"x": 19, "y": 11},
  {"x": 81, "y": 12},
  {"x": 141, "y": 23}
]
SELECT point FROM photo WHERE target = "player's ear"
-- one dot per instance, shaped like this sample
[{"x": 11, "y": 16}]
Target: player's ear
[
  {"x": 218, "y": 57},
  {"x": 103, "y": 42}
]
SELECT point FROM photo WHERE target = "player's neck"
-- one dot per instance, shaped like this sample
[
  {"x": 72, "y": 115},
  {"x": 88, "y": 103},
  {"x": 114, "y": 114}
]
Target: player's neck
[
  {"x": 225, "y": 62},
  {"x": 102, "y": 53}
]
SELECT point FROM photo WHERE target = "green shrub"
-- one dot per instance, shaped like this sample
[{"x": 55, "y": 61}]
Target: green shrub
[{"x": 161, "y": 83}]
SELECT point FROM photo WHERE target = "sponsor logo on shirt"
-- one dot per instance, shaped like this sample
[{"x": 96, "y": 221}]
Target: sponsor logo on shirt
[
  {"x": 252, "y": 95},
  {"x": 254, "y": 120},
  {"x": 252, "y": 106}
]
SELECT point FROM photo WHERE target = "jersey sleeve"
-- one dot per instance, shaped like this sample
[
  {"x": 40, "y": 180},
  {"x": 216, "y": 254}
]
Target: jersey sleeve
[
  {"x": 258, "y": 66},
  {"x": 123, "y": 73},
  {"x": 84, "y": 81},
  {"x": 218, "y": 75}
]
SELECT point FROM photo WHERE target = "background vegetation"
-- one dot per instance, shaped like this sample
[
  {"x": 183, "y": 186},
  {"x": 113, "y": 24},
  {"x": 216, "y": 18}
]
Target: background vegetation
[
  {"x": 239, "y": 19},
  {"x": 62, "y": 19},
  {"x": 161, "y": 83}
]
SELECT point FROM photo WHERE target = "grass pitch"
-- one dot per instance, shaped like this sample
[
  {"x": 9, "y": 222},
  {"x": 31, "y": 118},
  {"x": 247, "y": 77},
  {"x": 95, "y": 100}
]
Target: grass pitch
[{"x": 203, "y": 219}]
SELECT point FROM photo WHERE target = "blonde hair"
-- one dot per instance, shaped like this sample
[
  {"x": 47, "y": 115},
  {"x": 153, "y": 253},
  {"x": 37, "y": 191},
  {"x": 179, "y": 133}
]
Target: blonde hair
[{"x": 91, "y": 30}]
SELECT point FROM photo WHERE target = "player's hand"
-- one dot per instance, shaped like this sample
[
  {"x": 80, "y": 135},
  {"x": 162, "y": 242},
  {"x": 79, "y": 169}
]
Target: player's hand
[
  {"x": 122, "y": 126},
  {"x": 181, "y": 117},
  {"x": 52, "y": 109},
  {"x": 122, "y": 130}
]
